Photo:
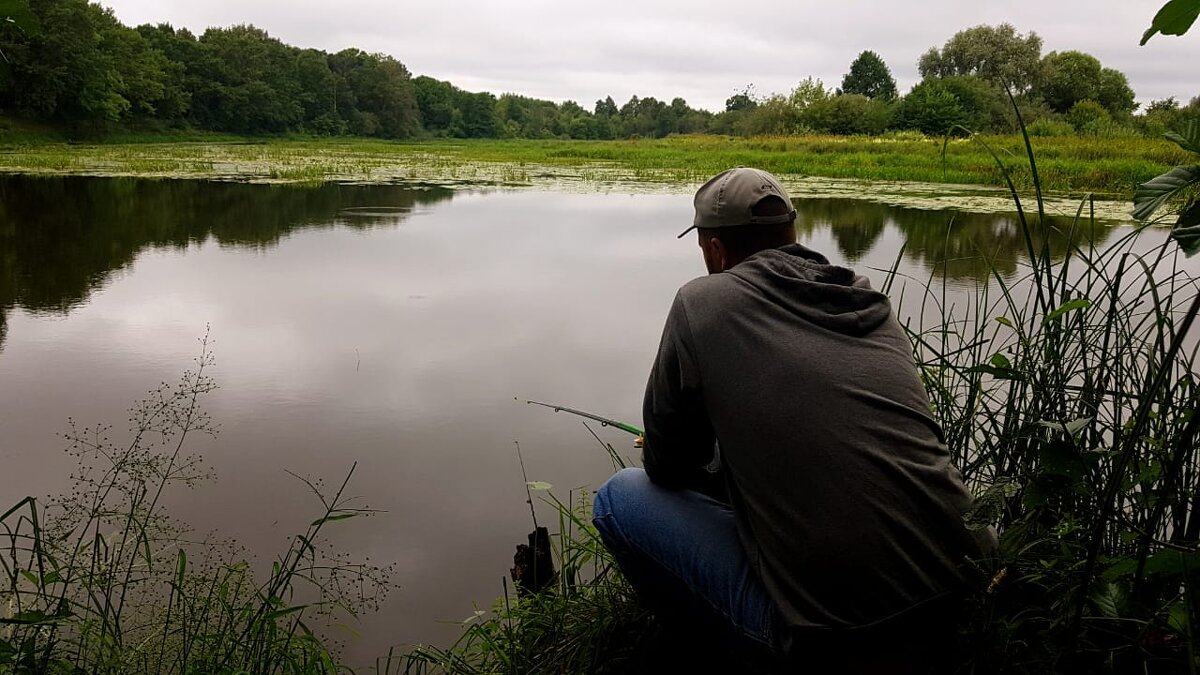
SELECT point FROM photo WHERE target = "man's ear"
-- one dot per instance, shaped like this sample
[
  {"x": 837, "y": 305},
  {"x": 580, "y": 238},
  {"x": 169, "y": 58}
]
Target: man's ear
[{"x": 716, "y": 256}]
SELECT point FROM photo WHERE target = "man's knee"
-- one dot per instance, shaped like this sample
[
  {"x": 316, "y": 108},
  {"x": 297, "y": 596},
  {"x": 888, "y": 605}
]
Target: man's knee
[{"x": 619, "y": 491}]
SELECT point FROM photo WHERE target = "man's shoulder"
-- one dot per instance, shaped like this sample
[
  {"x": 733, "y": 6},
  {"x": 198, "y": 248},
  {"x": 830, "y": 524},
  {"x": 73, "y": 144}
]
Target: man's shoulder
[
  {"x": 710, "y": 286},
  {"x": 702, "y": 302}
]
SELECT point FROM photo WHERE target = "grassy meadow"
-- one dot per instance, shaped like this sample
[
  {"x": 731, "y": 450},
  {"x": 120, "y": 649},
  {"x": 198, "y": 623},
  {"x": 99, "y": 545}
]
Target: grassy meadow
[{"x": 1071, "y": 165}]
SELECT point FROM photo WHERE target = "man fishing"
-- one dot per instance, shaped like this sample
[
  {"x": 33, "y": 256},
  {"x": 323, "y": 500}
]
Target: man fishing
[{"x": 835, "y": 520}]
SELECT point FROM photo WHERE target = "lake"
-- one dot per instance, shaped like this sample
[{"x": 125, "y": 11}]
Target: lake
[{"x": 399, "y": 327}]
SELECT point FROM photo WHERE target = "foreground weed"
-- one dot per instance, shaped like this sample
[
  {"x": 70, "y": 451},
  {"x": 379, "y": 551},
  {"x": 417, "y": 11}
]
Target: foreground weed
[
  {"x": 588, "y": 621},
  {"x": 100, "y": 581}
]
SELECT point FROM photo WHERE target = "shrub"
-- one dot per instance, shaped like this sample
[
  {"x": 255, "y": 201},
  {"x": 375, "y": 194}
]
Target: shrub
[
  {"x": 1088, "y": 117},
  {"x": 1051, "y": 127},
  {"x": 937, "y": 104},
  {"x": 849, "y": 114}
]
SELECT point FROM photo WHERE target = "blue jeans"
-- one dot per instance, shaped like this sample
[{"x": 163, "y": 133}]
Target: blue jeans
[{"x": 680, "y": 551}]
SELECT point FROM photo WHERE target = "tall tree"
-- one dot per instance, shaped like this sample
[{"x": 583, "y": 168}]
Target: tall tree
[
  {"x": 17, "y": 25},
  {"x": 742, "y": 100},
  {"x": 1070, "y": 77},
  {"x": 246, "y": 81},
  {"x": 318, "y": 93},
  {"x": 178, "y": 49},
  {"x": 478, "y": 115},
  {"x": 79, "y": 65},
  {"x": 998, "y": 54},
  {"x": 435, "y": 100},
  {"x": 870, "y": 77},
  {"x": 374, "y": 94}
]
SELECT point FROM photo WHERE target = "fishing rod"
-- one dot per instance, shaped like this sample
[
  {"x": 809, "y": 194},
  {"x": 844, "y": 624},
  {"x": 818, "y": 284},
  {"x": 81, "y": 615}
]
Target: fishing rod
[{"x": 604, "y": 421}]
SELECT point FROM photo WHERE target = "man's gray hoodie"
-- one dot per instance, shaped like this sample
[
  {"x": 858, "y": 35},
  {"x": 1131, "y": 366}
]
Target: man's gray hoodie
[{"x": 841, "y": 486}]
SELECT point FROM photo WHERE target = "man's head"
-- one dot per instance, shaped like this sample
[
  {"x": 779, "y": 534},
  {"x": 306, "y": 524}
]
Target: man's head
[{"x": 740, "y": 212}]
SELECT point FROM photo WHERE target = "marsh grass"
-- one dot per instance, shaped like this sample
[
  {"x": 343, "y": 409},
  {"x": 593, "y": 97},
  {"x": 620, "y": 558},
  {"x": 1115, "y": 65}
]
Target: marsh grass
[
  {"x": 101, "y": 580},
  {"x": 1068, "y": 164}
]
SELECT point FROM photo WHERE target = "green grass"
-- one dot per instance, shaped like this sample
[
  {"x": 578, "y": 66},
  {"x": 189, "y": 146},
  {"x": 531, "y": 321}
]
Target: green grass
[{"x": 1069, "y": 164}]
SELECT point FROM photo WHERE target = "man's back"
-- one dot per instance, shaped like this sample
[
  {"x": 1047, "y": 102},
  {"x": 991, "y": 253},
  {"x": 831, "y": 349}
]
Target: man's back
[{"x": 843, "y": 494}]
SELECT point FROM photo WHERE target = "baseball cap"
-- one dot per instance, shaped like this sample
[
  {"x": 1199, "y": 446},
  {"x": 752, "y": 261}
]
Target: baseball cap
[{"x": 728, "y": 199}]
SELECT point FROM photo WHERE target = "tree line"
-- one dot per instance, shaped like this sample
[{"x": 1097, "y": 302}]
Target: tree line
[{"x": 71, "y": 62}]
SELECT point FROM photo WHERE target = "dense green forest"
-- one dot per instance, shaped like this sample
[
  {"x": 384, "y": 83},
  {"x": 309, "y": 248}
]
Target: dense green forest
[{"x": 72, "y": 64}]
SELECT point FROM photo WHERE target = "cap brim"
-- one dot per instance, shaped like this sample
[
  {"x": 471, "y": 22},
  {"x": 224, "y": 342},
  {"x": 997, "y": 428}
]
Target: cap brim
[{"x": 789, "y": 217}]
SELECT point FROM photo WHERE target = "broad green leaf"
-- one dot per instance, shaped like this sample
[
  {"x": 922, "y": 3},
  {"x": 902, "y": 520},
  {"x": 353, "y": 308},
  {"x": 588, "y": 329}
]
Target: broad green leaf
[
  {"x": 539, "y": 485},
  {"x": 1155, "y": 192},
  {"x": 1179, "y": 618},
  {"x": 1003, "y": 321},
  {"x": 989, "y": 505},
  {"x": 180, "y": 568},
  {"x": 1109, "y": 600},
  {"x": 1190, "y": 138},
  {"x": 1186, "y": 231},
  {"x": 1074, "y": 426},
  {"x": 1001, "y": 361},
  {"x": 1171, "y": 563},
  {"x": 1068, "y": 306},
  {"x": 1174, "y": 18}
]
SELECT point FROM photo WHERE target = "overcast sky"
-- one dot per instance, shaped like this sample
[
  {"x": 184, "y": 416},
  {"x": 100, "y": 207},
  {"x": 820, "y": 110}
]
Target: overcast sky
[{"x": 700, "y": 50}]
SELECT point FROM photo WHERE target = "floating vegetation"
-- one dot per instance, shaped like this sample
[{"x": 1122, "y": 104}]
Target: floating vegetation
[{"x": 914, "y": 171}]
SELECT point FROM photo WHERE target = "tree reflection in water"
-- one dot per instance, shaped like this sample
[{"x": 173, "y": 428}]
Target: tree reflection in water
[
  {"x": 62, "y": 237},
  {"x": 956, "y": 245}
]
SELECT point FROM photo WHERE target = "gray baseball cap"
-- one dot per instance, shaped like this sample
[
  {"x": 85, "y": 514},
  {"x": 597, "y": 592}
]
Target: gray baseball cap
[{"x": 728, "y": 199}]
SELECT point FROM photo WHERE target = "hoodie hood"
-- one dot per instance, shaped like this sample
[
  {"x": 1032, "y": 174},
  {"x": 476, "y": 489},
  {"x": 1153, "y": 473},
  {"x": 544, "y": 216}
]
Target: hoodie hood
[{"x": 804, "y": 282}]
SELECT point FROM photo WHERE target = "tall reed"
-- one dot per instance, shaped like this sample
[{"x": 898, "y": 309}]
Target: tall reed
[{"x": 1068, "y": 398}]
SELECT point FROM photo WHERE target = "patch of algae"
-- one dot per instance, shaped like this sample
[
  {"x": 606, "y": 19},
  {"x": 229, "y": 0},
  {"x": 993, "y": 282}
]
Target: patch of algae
[{"x": 269, "y": 163}]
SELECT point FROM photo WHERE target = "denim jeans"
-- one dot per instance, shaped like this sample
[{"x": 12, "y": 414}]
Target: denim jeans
[{"x": 680, "y": 551}]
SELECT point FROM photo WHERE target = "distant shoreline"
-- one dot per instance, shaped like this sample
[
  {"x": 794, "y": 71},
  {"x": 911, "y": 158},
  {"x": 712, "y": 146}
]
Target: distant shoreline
[{"x": 1070, "y": 166}]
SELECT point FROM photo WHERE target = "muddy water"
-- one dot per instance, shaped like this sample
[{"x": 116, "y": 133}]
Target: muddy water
[{"x": 387, "y": 326}]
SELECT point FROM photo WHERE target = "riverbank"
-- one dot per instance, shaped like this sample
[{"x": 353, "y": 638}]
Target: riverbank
[{"x": 907, "y": 170}]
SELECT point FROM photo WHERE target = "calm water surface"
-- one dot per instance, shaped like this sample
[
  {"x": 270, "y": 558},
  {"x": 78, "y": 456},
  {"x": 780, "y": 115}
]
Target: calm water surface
[{"x": 384, "y": 325}]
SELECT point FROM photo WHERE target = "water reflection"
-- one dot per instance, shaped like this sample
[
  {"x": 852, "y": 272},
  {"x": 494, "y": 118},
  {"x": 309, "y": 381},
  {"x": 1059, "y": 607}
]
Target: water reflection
[
  {"x": 62, "y": 237},
  {"x": 348, "y": 330},
  {"x": 956, "y": 245}
]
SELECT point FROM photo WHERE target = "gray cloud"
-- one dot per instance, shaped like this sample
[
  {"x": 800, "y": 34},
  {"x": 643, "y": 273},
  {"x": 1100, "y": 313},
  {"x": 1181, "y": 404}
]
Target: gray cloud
[{"x": 702, "y": 51}]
